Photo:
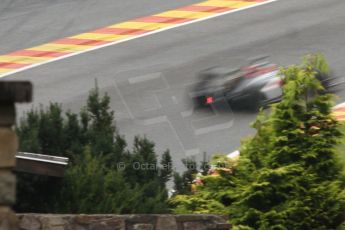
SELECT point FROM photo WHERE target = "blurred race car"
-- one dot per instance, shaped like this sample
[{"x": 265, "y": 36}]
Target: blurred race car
[{"x": 251, "y": 87}]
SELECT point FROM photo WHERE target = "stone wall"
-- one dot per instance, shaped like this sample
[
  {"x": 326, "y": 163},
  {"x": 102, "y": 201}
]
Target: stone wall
[
  {"x": 122, "y": 222},
  {"x": 10, "y": 93}
]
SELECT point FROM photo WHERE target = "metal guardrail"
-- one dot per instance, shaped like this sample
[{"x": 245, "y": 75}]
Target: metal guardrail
[
  {"x": 42, "y": 158},
  {"x": 45, "y": 165}
]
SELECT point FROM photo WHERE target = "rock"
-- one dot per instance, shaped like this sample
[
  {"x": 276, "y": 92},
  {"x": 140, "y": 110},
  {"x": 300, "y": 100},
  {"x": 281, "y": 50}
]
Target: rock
[
  {"x": 194, "y": 226},
  {"x": 8, "y": 148},
  {"x": 167, "y": 222},
  {"x": 7, "y": 187},
  {"x": 50, "y": 222},
  {"x": 8, "y": 220},
  {"x": 57, "y": 228},
  {"x": 143, "y": 218},
  {"x": 29, "y": 222},
  {"x": 83, "y": 219},
  {"x": 108, "y": 224},
  {"x": 142, "y": 227}
]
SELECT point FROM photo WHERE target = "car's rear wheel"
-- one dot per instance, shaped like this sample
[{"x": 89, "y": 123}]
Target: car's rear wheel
[{"x": 256, "y": 101}]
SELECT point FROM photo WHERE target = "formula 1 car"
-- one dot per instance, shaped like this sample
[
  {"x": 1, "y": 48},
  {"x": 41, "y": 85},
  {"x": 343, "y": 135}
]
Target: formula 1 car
[{"x": 251, "y": 87}]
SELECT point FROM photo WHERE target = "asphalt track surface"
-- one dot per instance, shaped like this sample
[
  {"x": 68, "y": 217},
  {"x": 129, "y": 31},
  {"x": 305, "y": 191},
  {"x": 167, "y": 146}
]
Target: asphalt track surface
[{"x": 148, "y": 78}]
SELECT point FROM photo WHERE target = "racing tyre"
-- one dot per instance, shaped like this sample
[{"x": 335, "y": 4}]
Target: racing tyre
[{"x": 256, "y": 101}]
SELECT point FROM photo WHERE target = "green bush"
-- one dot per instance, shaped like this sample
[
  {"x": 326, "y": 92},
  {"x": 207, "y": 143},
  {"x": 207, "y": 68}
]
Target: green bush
[{"x": 93, "y": 182}]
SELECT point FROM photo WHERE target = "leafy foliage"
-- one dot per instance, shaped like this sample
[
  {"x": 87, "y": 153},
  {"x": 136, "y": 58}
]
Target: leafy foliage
[
  {"x": 183, "y": 182},
  {"x": 94, "y": 181},
  {"x": 203, "y": 192}
]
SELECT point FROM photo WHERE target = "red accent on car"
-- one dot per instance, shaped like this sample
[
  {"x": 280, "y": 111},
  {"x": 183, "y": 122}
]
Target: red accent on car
[
  {"x": 253, "y": 71},
  {"x": 280, "y": 82},
  {"x": 209, "y": 100}
]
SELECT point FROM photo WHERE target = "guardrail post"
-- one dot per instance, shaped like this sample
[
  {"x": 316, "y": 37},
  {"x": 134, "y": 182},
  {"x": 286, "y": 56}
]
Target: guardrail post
[{"x": 10, "y": 93}]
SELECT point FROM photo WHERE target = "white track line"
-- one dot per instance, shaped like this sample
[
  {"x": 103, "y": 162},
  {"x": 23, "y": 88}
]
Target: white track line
[{"x": 131, "y": 38}]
